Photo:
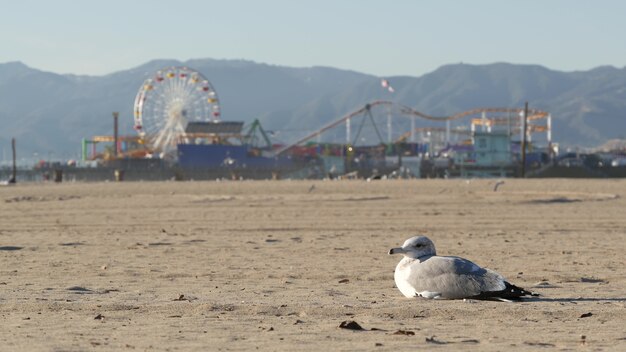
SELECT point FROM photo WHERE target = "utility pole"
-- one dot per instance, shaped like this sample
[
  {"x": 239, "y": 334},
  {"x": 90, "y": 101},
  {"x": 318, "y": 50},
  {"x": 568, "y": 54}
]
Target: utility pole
[
  {"x": 524, "y": 130},
  {"x": 115, "y": 136},
  {"x": 14, "y": 174}
]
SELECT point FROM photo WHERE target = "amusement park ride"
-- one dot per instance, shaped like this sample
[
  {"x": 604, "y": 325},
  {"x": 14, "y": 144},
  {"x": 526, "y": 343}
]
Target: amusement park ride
[
  {"x": 177, "y": 119},
  {"x": 512, "y": 120},
  {"x": 165, "y": 105}
]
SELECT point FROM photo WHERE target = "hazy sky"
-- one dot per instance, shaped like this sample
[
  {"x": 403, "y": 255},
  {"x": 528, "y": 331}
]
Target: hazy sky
[{"x": 380, "y": 37}]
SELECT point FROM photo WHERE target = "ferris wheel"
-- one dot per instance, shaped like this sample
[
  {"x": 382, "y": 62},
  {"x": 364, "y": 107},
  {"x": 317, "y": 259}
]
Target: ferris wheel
[{"x": 169, "y": 100}]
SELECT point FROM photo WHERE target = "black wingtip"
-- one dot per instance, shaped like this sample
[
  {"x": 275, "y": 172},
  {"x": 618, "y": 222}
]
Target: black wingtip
[{"x": 510, "y": 293}]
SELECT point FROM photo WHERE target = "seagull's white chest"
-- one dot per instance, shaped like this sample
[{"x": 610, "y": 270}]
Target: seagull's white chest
[
  {"x": 401, "y": 277},
  {"x": 403, "y": 285}
]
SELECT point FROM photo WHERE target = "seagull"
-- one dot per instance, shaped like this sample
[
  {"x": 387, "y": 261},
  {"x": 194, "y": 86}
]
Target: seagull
[{"x": 422, "y": 273}]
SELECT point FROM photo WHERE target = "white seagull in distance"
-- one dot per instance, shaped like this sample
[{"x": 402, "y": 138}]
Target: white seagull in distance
[{"x": 422, "y": 273}]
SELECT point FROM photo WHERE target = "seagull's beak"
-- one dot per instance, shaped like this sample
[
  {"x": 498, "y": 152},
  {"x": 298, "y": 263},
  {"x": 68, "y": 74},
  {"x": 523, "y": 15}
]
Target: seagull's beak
[{"x": 397, "y": 250}]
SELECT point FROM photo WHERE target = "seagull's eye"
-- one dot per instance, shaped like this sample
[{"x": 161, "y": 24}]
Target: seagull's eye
[{"x": 419, "y": 245}]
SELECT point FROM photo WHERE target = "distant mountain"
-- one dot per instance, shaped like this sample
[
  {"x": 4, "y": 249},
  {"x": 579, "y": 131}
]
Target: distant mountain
[{"x": 49, "y": 113}]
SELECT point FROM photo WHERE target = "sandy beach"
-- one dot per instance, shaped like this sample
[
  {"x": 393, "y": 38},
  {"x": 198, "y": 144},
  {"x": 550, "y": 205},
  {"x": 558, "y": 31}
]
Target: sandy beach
[{"x": 279, "y": 265}]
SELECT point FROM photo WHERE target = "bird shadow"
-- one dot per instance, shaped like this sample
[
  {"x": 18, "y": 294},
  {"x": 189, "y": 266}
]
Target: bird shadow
[{"x": 574, "y": 300}]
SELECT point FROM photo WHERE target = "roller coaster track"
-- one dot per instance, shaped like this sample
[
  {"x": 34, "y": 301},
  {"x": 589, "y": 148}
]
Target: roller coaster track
[{"x": 533, "y": 114}]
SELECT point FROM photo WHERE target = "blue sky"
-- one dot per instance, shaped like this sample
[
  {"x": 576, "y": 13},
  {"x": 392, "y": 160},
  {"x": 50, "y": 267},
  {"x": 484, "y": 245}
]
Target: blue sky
[{"x": 384, "y": 38}]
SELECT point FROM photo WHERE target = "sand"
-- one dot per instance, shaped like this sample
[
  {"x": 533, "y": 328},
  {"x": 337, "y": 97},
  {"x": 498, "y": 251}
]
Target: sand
[{"x": 279, "y": 265}]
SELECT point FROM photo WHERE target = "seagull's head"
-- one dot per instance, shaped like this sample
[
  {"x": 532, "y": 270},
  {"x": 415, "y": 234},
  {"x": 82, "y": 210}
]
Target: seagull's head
[{"x": 415, "y": 247}]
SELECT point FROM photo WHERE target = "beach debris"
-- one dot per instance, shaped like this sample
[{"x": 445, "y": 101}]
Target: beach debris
[
  {"x": 470, "y": 341},
  {"x": 593, "y": 280},
  {"x": 10, "y": 248},
  {"x": 403, "y": 332},
  {"x": 586, "y": 315},
  {"x": 555, "y": 200},
  {"x": 214, "y": 199},
  {"x": 312, "y": 188},
  {"x": 351, "y": 325},
  {"x": 71, "y": 244},
  {"x": 435, "y": 341},
  {"x": 79, "y": 289},
  {"x": 495, "y": 187},
  {"x": 38, "y": 199},
  {"x": 583, "y": 339},
  {"x": 343, "y": 281},
  {"x": 365, "y": 199},
  {"x": 99, "y": 317},
  {"x": 19, "y": 199},
  {"x": 540, "y": 344},
  {"x": 160, "y": 244},
  {"x": 298, "y": 321},
  {"x": 544, "y": 284},
  {"x": 181, "y": 298}
]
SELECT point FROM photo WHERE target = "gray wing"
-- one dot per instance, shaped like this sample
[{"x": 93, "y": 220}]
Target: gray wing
[{"x": 454, "y": 278}]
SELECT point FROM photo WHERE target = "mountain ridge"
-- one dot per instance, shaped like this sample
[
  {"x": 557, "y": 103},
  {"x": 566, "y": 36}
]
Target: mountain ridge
[{"x": 50, "y": 113}]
